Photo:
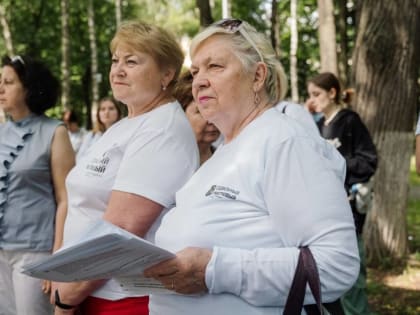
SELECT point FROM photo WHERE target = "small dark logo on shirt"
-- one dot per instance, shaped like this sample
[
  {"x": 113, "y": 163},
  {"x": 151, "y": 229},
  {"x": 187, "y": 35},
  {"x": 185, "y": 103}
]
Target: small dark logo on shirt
[
  {"x": 222, "y": 192},
  {"x": 98, "y": 166}
]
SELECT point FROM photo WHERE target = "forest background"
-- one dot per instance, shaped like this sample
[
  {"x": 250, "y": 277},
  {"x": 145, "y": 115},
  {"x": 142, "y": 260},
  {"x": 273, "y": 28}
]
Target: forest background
[{"x": 373, "y": 46}]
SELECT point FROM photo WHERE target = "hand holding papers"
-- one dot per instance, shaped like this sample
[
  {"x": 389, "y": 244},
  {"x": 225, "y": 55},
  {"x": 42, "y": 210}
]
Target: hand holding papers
[{"x": 106, "y": 251}]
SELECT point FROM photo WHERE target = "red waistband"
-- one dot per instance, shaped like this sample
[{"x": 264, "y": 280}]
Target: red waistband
[{"x": 128, "y": 306}]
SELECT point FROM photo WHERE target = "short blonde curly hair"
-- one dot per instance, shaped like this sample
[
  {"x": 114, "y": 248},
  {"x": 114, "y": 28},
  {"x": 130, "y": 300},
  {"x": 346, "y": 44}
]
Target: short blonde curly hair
[{"x": 152, "y": 40}]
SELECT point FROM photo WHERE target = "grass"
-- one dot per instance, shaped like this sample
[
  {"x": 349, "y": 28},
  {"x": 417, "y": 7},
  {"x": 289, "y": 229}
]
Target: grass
[
  {"x": 413, "y": 214},
  {"x": 390, "y": 291},
  {"x": 413, "y": 227}
]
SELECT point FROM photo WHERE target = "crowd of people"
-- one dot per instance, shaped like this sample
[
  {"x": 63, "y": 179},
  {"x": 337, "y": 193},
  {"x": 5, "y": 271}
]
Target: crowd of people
[{"x": 211, "y": 164}]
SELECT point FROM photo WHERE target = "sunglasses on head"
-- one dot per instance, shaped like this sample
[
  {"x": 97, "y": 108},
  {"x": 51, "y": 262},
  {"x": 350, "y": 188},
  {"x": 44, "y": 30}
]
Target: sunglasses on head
[
  {"x": 230, "y": 24},
  {"x": 17, "y": 59},
  {"x": 233, "y": 26}
]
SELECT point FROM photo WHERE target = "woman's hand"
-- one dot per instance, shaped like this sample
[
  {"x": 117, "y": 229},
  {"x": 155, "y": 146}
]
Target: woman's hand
[
  {"x": 310, "y": 106},
  {"x": 185, "y": 273},
  {"x": 46, "y": 286}
]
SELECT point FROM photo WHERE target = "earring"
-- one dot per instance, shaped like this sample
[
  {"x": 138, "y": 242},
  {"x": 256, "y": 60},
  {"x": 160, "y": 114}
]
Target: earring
[
  {"x": 163, "y": 88},
  {"x": 257, "y": 99}
]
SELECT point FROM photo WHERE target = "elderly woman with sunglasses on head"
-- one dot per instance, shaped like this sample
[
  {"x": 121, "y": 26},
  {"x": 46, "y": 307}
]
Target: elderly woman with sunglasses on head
[
  {"x": 35, "y": 158},
  {"x": 240, "y": 220},
  {"x": 130, "y": 175}
]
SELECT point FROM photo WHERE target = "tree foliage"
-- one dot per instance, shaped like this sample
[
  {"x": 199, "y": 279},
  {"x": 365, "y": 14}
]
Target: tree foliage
[{"x": 36, "y": 30}]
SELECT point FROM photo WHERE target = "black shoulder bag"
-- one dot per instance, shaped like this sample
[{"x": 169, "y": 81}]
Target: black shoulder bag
[{"x": 307, "y": 272}]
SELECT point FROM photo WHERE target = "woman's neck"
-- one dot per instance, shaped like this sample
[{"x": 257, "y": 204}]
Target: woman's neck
[
  {"x": 331, "y": 110},
  {"x": 205, "y": 151},
  {"x": 233, "y": 131},
  {"x": 160, "y": 99},
  {"x": 330, "y": 113},
  {"x": 107, "y": 126},
  {"x": 19, "y": 114}
]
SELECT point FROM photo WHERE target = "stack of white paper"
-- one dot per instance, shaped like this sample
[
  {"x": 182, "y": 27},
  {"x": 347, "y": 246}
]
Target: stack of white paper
[{"x": 106, "y": 251}]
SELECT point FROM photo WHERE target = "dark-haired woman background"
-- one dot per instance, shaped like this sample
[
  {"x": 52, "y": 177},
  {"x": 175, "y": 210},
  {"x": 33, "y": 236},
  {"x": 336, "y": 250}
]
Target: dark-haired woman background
[
  {"x": 346, "y": 131},
  {"x": 35, "y": 157}
]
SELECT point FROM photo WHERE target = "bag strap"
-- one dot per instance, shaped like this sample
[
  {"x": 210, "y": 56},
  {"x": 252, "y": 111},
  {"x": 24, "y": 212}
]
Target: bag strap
[
  {"x": 312, "y": 275},
  {"x": 296, "y": 295},
  {"x": 307, "y": 272}
]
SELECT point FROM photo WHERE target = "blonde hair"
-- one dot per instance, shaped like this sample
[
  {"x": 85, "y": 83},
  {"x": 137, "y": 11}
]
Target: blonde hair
[
  {"x": 152, "y": 40},
  {"x": 276, "y": 81}
]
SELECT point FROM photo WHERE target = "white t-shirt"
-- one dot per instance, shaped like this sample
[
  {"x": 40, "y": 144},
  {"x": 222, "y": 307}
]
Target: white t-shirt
[
  {"x": 302, "y": 116},
  {"x": 88, "y": 140},
  {"x": 254, "y": 202},
  {"x": 76, "y": 138},
  {"x": 151, "y": 155},
  {"x": 299, "y": 113}
]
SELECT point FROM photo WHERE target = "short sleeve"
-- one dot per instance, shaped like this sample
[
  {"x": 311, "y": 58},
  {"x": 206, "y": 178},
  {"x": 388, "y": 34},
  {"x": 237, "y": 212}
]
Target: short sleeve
[{"x": 155, "y": 165}]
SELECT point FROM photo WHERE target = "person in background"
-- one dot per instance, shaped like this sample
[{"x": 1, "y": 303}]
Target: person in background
[
  {"x": 310, "y": 108},
  {"x": 345, "y": 130},
  {"x": 76, "y": 133},
  {"x": 206, "y": 133},
  {"x": 109, "y": 112},
  {"x": 35, "y": 157},
  {"x": 418, "y": 146},
  {"x": 130, "y": 175},
  {"x": 241, "y": 218}
]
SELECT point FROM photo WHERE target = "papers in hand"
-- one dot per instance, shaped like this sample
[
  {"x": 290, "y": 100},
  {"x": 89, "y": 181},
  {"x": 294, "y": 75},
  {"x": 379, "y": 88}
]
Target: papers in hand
[{"x": 106, "y": 251}]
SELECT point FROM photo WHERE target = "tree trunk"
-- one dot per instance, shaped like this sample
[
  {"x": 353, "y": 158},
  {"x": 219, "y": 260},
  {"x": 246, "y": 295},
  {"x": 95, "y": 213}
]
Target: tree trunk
[
  {"x": 327, "y": 41},
  {"x": 7, "y": 35},
  {"x": 226, "y": 9},
  {"x": 118, "y": 12},
  {"x": 343, "y": 68},
  {"x": 205, "y": 12},
  {"x": 293, "y": 51},
  {"x": 275, "y": 28},
  {"x": 95, "y": 76},
  {"x": 386, "y": 64},
  {"x": 65, "y": 52}
]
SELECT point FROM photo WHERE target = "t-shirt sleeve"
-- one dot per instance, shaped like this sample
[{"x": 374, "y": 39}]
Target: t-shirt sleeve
[{"x": 155, "y": 165}]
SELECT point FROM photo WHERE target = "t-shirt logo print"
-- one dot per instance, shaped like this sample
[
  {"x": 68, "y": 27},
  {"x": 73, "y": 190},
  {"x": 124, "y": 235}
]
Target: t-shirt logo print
[
  {"x": 97, "y": 166},
  {"x": 222, "y": 192}
]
